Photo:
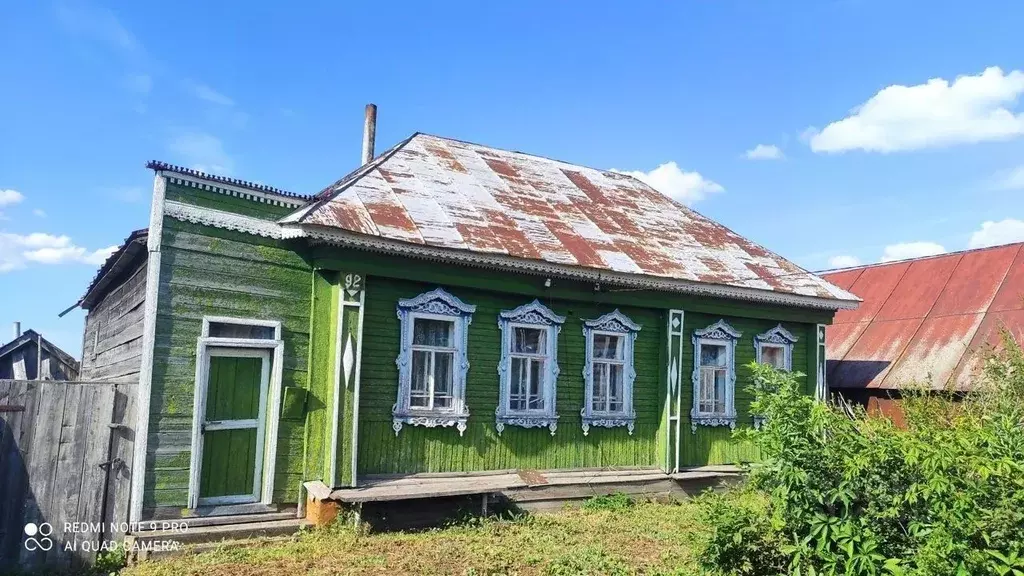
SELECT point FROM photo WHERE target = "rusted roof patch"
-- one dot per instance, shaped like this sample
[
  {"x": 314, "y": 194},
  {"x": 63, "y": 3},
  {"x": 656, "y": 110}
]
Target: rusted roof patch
[{"x": 453, "y": 195}]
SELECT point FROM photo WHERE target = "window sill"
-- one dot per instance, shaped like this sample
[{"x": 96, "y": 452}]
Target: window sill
[
  {"x": 430, "y": 419},
  {"x": 525, "y": 421},
  {"x": 608, "y": 421},
  {"x": 711, "y": 420}
]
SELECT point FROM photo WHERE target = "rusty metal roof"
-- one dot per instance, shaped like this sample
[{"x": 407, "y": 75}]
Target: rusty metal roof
[
  {"x": 929, "y": 320},
  {"x": 452, "y": 195}
]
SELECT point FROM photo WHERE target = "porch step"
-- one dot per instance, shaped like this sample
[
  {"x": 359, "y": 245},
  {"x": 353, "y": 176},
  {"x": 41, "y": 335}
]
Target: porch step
[
  {"x": 216, "y": 532},
  {"x": 203, "y": 521},
  {"x": 150, "y": 544}
]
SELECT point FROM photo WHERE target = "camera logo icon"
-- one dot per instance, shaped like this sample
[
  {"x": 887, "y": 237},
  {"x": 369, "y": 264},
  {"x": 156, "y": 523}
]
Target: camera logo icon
[{"x": 38, "y": 537}]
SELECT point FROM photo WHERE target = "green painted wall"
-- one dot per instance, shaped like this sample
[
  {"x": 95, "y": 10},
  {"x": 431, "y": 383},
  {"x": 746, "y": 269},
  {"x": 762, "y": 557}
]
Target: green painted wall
[
  {"x": 418, "y": 449},
  {"x": 207, "y": 272}
]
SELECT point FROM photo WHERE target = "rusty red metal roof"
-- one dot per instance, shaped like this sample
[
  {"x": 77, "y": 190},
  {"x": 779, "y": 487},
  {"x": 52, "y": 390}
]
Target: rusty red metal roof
[
  {"x": 929, "y": 320},
  {"x": 453, "y": 195}
]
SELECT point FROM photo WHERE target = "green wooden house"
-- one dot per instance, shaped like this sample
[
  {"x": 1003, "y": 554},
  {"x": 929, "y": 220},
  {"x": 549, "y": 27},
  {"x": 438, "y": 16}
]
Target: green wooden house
[{"x": 445, "y": 308}]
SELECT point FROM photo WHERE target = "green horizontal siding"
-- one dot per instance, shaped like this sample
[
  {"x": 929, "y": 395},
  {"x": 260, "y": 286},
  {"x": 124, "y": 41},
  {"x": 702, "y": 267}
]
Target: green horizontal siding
[
  {"x": 225, "y": 202},
  {"x": 714, "y": 445},
  {"x": 210, "y": 272},
  {"x": 418, "y": 449}
]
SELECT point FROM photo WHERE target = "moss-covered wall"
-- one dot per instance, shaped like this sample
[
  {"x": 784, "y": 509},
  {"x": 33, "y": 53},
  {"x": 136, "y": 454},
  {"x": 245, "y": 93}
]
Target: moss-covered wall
[{"x": 205, "y": 271}]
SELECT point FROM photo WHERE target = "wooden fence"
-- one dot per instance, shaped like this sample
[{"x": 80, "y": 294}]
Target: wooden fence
[{"x": 65, "y": 471}]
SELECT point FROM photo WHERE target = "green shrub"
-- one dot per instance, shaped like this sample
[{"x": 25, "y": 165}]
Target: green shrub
[
  {"x": 852, "y": 494},
  {"x": 616, "y": 501},
  {"x": 740, "y": 537}
]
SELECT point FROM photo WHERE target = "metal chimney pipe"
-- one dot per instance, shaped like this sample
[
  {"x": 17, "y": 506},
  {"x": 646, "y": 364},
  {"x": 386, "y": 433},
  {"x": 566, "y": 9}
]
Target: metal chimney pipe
[
  {"x": 369, "y": 132},
  {"x": 17, "y": 330}
]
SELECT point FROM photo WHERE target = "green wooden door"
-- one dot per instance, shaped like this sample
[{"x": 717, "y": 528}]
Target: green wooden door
[{"x": 232, "y": 459}]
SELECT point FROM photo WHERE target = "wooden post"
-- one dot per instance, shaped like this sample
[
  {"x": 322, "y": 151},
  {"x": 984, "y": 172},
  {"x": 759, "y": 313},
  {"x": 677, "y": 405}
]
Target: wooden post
[{"x": 485, "y": 498}]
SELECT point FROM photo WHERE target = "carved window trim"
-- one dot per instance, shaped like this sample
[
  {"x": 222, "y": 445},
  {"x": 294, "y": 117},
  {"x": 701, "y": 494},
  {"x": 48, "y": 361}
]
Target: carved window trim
[
  {"x": 617, "y": 324},
  {"x": 441, "y": 305},
  {"x": 537, "y": 316},
  {"x": 720, "y": 334},
  {"x": 777, "y": 337}
]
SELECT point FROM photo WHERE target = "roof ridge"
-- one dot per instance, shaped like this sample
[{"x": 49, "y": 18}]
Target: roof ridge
[
  {"x": 929, "y": 257},
  {"x": 166, "y": 166},
  {"x": 340, "y": 185}
]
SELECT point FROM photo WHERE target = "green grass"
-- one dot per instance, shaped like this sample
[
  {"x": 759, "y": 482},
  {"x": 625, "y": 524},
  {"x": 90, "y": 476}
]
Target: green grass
[{"x": 645, "y": 538}]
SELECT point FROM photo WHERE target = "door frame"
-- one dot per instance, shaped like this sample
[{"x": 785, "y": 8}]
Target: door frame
[{"x": 273, "y": 352}]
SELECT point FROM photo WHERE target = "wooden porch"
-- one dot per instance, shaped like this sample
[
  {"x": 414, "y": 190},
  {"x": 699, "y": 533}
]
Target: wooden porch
[{"x": 530, "y": 490}]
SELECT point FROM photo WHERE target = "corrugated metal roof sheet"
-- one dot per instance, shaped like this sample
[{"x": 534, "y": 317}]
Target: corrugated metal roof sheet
[
  {"x": 449, "y": 194},
  {"x": 929, "y": 320}
]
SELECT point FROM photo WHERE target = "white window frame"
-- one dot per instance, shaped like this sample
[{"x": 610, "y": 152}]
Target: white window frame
[
  {"x": 614, "y": 324},
  {"x": 437, "y": 305},
  {"x": 538, "y": 317},
  {"x": 720, "y": 334},
  {"x": 777, "y": 337},
  {"x": 207, "y": 346}
]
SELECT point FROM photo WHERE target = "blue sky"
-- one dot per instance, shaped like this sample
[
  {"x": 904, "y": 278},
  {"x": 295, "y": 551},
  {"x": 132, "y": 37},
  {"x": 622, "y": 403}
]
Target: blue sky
[{"x": 861, "y": 157}]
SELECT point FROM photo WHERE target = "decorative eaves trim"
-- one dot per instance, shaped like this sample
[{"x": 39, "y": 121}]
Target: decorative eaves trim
[
  {"x": 227, "y": 220},
  {"x": 271, "y": 229},
  {"x": 240, "y": 189},
  {"x": 505, "y": 262}
]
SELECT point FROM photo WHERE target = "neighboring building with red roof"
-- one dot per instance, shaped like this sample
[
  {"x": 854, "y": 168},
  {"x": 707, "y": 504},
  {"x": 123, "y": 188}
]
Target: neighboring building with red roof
[{"x": 928, "y": 320}]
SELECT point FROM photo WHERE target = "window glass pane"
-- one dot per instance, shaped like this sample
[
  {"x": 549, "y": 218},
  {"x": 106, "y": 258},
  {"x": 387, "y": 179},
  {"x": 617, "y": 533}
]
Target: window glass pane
[
  {"x": 720, "y": 377},
  {"x": 615, "y": 387},
  {"x": 608, "y": 346},
  {"x": 229, "y": 330},
  {"x": 444, "y": 383},
  {"x": 420, "y": 392},
  {"x": 529, "y": 340},
  {"x": 712, "y": 355},
  {"x": 707, "y": 390},
  {"x": 536, "y": 401},
  {"x": 600, "y": 387},
  {"x": 774, "y": 356},
  {"x": 430, "y": 332},
  {"x": 517, "y": 384}
]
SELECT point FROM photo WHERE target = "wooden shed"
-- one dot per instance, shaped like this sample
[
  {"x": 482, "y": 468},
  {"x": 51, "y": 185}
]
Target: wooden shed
[{"x": 29, "y": 356}]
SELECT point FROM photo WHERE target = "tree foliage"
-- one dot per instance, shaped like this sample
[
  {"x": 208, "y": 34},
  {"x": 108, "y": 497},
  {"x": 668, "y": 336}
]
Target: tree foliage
[{"x": 848, "y": 493}]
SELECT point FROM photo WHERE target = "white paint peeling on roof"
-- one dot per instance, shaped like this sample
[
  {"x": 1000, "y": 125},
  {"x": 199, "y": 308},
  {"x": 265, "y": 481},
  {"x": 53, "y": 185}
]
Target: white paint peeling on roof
[{"x": 451, "y": 194}]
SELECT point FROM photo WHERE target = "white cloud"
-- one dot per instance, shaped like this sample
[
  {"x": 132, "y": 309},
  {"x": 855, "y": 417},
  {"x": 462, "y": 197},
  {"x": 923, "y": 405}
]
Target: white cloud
[
  {"x": 992, "y": 233},
  {"x": 39, "y": 212},
  {"x": 17, "y": 251},
  {"x": 764, "y": 152},
  {"x": 203, "y": 152},
  {"x": 934, "y": 114},
  {"x": 843, "y": 261},
  {"x": 911, "y": 250},
  {"x": 204, "y": 92},
  {"x": 1011, "y": 179},
  {"x": 682, "y": 186},
  {"x": 97, "y": 24},
  {"x": 10, "y": 197}
]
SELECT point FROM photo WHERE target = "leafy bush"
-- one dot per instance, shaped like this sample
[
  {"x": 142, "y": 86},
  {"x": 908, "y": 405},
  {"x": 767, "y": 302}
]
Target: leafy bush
[
  {"x": 740, "y": 538},
  {"x": 616, "y": 501},
  {"x": 852, "y": 494}
]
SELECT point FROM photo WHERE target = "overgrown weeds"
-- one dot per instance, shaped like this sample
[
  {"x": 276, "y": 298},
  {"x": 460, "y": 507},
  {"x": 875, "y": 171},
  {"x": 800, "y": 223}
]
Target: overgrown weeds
[{"x": 858, "y": 495}]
